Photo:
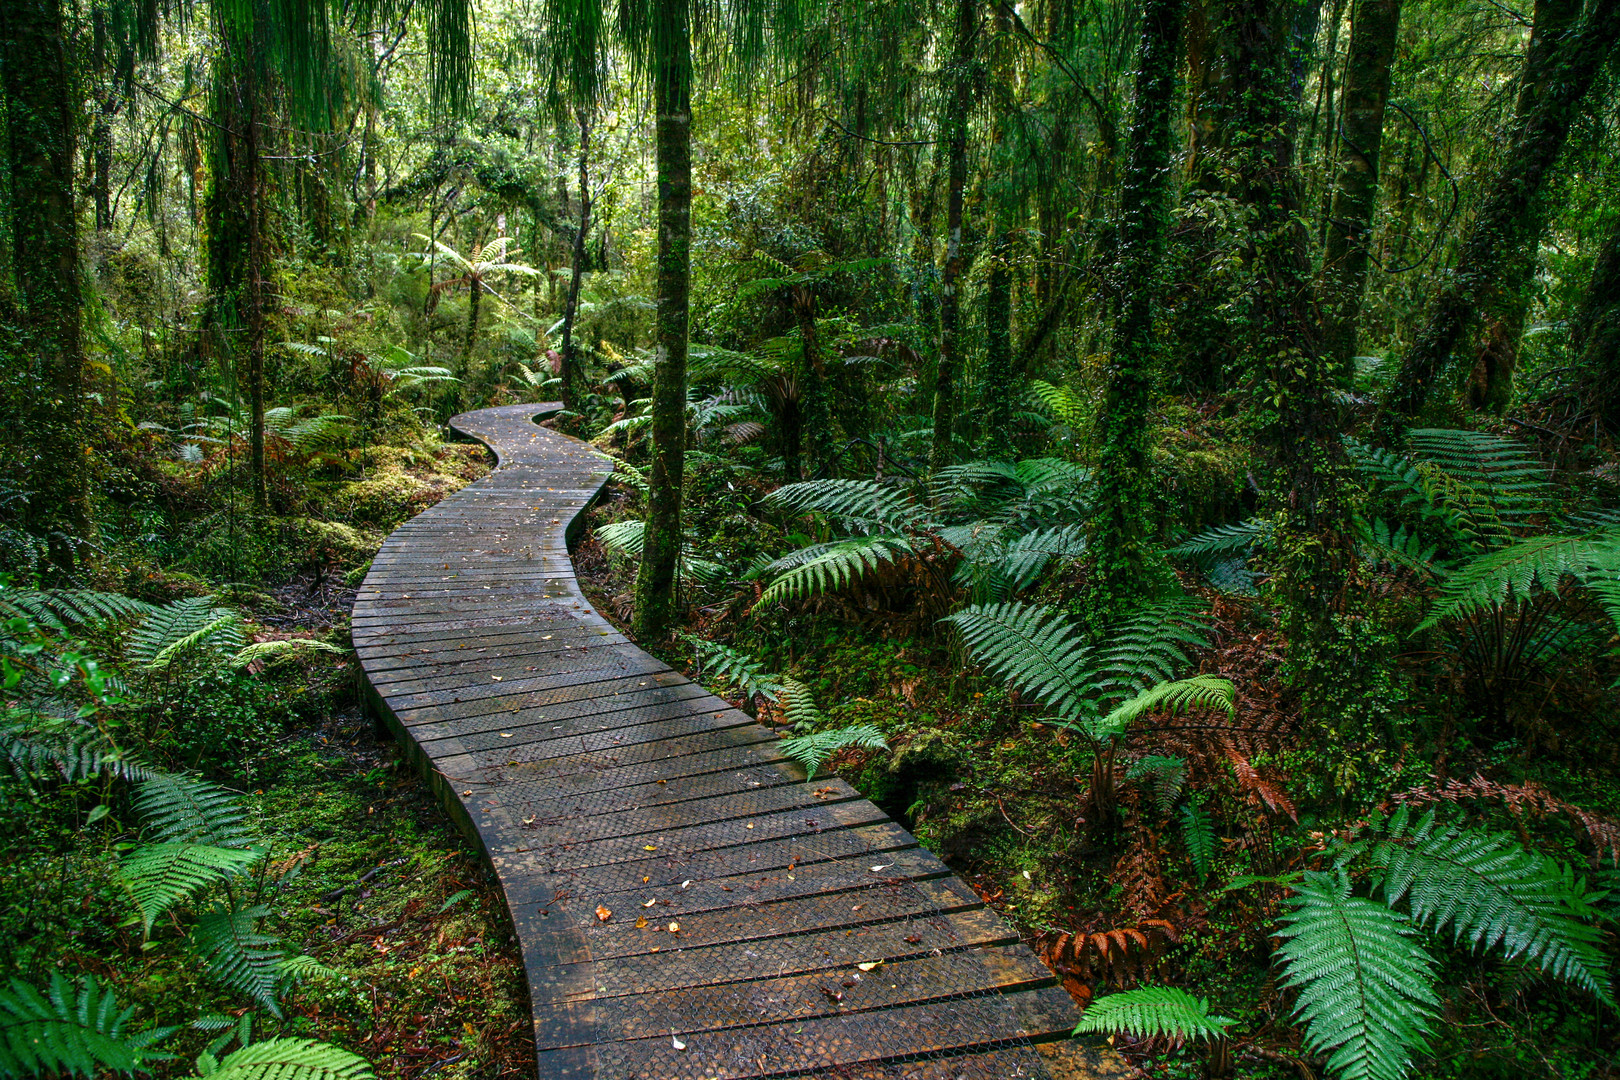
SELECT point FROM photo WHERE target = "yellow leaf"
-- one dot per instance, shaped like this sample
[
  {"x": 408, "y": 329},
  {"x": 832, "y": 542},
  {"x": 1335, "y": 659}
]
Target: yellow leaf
[
  {"x": 603, "y": 913},
  {"x": 873, "y": 966}
]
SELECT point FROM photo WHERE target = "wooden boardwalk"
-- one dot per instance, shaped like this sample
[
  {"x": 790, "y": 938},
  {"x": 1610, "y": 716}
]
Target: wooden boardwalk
[{"x": 688, "y": 906}]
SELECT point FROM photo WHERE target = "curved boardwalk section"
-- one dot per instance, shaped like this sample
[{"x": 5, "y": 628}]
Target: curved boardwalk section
[{"x": 687, "y": 904}]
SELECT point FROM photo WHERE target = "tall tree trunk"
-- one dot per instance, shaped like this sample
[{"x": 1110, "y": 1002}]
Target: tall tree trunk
[
  {"x": 1375, "y": 25},
  {"x": 1508, "y": 305},
  {"x": 813, "y": 405},
  {"x": 656, "y": 584},
  {"x": 571, "y": 367},
  {"x": 1120, "y": 520},
  {"x": 45, "y": 263},
  {"x": 1512, "y": 214},
  {"x": 999, "y": 378},
  {"x": 958, "y": 101},
  {"x": 1595, "y": 336},
  {"x": 101, "y": 137},
  {"x": 475, "y": 300},
  {"x": 236, "y": 239}
]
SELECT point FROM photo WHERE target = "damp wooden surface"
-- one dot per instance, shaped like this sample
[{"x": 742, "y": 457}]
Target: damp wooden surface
[{"x": 687, "y": 903}]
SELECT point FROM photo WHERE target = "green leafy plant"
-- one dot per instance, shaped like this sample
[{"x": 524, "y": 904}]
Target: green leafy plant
[{"x": 1153, "y": 1012}]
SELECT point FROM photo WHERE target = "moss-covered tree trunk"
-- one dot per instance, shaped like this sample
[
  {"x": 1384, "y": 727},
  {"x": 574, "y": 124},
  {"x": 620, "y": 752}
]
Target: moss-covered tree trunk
[
  {"x": 1345, "y": 259},
  {"x": 1512, "y": 214},
  {"x": 469, "y": 337},
  {"x": 1508, "y": 304},
  {"x": 572, "y": 375},
  {"x": 236, "y": 240},
  {"x": 656, "y": 585},
  {"x": 998, "y": 347},
  {"x": 1120, "y": 521},
  {"x": 954, "y": 127},
  {"x": 39, "y": 100},
  {"x": 1595, "y": 336}
]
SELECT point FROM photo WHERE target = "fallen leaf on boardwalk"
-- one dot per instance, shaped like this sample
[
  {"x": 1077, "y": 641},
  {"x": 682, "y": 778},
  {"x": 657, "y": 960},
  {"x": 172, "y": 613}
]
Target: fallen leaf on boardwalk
[
  {"x": 651, "y": 847},
  {"x": 685, "y": 883},
  {"x": 649, "y": 903},
  {"x": 674, "y": 927},
  {"x": 497, "y": 678},
  {"x": 603, "y": 913},
  {"x": 912, "y": 939},
  {"x": 644, "y": 880},
  {"x": 641, "y": 922},
  {"x": 873, "y": 966},
  {"x": 528, "y": 822},
  {"x": 506, "y": 734},
  {"x": 749, "y": 826},
  {"x": 882, "y": 866},
  {"x": 466, "y": 793},
  {"x": 832, "y": 995},
  {"x": 676, "y": 1042}
]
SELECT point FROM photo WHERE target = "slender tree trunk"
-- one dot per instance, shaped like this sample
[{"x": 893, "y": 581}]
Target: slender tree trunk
[
  {"x": 656, "y": 584},
  {"x": 236, "y": 239},
  {"x": 475, "y": 300},
  {"x": 37, "y": 84},
  {"x": 999, "y": 378},
  {"x": 1120, "y": 520},
  {"x": 572, "y": 375},
  {"x": 813, "y": 411},
  {"x": 1513, "y": 212},
  {"x": 955, "y": 129},
  {"x": 1375, "y": 25}
]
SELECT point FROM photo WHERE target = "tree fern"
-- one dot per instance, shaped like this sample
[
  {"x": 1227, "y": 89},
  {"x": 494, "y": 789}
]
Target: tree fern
[
  {"x": 1152, "y": 1012},
  {"x": 1222, "y": 540},
  {"x": 271, "y": 650},
  {"x": 184, "y": 809},
  {"x": 74, "y": 1028},
  {"x": 1396, "y": 544},
  {"x": 191, "y": 624},
  {"x": 1146, "y": 647},
  {"x": 1067, "y": 406},
  {"x": 1164, "y": 773},
  {"x": 1180, "y": 695},
  {"x": 235, "y": 954},
  {"x": 1365, "y": 984},
  {"x": 1030, "y": 647},
  {"x": 159, "y": 876},
  {"x": 1492, "y": 893},
  {"x": 1516, "y": 572},
  {"x": 869, "y": 504},
  {"x": 1505, "y": 471},
  {"x": 290, "y": 1059},
  {"x": 813, "y": 750},
  {"x": 625, "y": 538},
  {"x": 833, "y": 566}
]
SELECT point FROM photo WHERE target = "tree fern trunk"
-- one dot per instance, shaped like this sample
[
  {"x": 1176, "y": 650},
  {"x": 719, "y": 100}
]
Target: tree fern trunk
[
  {"x": 1355, "y": 197},
  {"x": 45, "y": 263},
  {"x": 1595, "y": 336},
  {"x": 475, "y": 298},
  {"x": 1120, "y": 521},
  {"x": 959, "y": 99},
  {"x": 656, "y": 599},
  {"x": 1512, "y": 212},
  {"x": 571, "y": 374}
]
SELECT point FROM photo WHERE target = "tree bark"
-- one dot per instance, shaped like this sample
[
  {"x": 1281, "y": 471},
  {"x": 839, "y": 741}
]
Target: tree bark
[
  {"x": 656, "y": 583},
  {"x": 999, "y": 377},
  {"x": 1508, "y": 305},
  {"x": 571, "y": 368},
  {"x": 1595, "y": 336},
  {"x": 1375, "y": 25},
  {"x": 1513, "y": 212},
  {"x": 958, "y": 101},
  {"x": 45, "y": 263},
  {"x": 1120, "y": 519}
]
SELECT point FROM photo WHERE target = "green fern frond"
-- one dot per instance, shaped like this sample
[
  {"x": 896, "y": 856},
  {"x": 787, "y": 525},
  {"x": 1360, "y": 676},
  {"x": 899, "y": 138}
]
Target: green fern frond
[
  {"x": 74, "y": 1028},
  {"x": 159, "y": 876},
  {"x": 1382, "y": 542},
  {"x": 1030, "y": 647},
  {"x": 300, "y": 968},
  {"x": 1024, "y": 560},
  {"x": 1224, "y": 540},
  {"x": 1165, "y": 773},
  {"x": 863, "y": 504},
  {"x": 1492, "y": 893},
  {"x": 1505, "y": 471},
  {"x": 735, "y": 667},
  {"x": 835, "y": 566},
  {"x": 1365, "y": 984},
  {"x": 1198, "y": 833},
  {"x": 59, "y": 609},
  {"x": 1180, "y": 695},
  {"x": 237, "y": 956},
  {"x": 1152, "y": 1012},
  {"x": 813, "y": 750},
  {"x": 799, "y": 706},
  {"x": 626, "y": 538},
  {"x": 191, "y": 624},
  {"x": 1145, "y": 648},
  {"x": 65, "y": 747},
  {"x": 1514, "y": 573},
  {"x": 185, "y": 810},
  {"x": 1064, "y": 404},
  {"x": 291, "y": 1059},
  {"x": 270, "y": 650}
]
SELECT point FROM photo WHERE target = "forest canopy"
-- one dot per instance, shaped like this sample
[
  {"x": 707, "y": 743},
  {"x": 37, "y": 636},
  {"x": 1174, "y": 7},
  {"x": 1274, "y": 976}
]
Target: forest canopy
[{"x": 1163, "y": 452}]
